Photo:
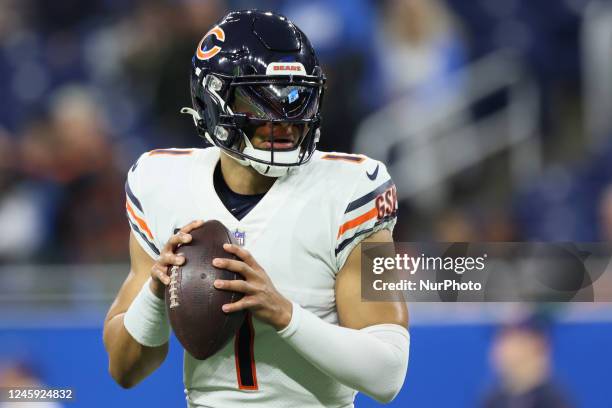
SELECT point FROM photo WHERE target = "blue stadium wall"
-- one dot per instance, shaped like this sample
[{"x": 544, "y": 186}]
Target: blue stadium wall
[{"x": 448, "y": 366}]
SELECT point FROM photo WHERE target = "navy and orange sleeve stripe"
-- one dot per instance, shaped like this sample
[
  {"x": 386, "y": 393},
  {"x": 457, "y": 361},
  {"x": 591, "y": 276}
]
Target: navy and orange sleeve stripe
[
  {"x": 357, "y": 221},
  {"x": 365, "y": 214},
  {"x": 342, "y": 245},
  {"x": 132, "y": 197},
  {"x": 150, "y": 244},
  {"x": 136, "y": 219},
  {"x": 142, "y": 224},
  {"x": 369, "y": 197}
]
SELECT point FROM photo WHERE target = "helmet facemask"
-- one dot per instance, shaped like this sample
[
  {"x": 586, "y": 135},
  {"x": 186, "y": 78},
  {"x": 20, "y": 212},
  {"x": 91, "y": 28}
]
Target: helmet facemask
[{"x": 268, "y": 122}]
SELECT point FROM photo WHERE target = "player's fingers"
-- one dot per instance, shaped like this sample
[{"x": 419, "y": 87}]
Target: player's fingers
[
  {"x": 244, "y": 303},
  {"x": 237, "y": 285},
  {"x": 176, "y": 240},
  {"x": 182, "y": 236},
  {"x": 234, "y": 266},
  {"x": 160, "y": 273},
  {"x": 242, "y": 254},
  {"x": 169, "y": 258},
  {"x": 191, "y": 226}
]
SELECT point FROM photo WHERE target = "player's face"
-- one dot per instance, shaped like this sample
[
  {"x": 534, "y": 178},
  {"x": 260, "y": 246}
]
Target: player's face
[
  {"x": 276, "y": 102},
  {"x": 284, "y": 136}
]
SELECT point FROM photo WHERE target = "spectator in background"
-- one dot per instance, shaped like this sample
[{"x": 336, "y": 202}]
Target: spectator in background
[
  {"x": 343, "y": 33},
  {"x": 89, "y": 222},
  {"x": 474, "y": 224},
  {"x": 419, "y": 49},
  {"x": 162, "y": 36},
  {"x": 23, "y": 73},
  {"x": 74, "y": 182},
  {"x": 21, "y": 215},
  {"x": 521, "y": 357}
]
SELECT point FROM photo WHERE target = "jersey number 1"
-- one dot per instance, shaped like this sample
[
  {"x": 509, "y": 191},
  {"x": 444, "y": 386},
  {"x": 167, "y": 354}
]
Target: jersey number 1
[{"x": 244, "y": 356}]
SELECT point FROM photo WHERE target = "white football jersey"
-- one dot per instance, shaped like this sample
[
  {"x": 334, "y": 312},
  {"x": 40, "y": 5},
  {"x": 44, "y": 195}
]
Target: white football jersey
[{"x": 301, "y": 233}]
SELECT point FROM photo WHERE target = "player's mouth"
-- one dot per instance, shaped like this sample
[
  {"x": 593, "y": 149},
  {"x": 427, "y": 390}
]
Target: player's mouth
[
  {"x": 280, "y": 143},
  {"x": 278, "y": 137}
]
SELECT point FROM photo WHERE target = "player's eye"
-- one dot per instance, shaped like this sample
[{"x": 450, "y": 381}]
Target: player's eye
[{"x": 273, "y": 102}]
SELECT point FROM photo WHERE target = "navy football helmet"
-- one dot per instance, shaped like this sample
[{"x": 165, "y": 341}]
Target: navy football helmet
[{"x": 256, "y": 69}]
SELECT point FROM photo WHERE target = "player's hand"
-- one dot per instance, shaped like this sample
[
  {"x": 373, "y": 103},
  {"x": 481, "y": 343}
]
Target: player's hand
[
  {"x": 260, "y": 295},
  {"x": 167, "y": 258}
]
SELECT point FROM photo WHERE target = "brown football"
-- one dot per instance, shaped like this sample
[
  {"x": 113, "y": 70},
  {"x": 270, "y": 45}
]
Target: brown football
[{"x": 193, "y": 303}]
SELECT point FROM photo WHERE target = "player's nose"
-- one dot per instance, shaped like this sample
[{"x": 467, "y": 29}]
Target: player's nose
[{"x": 282, "y": 129}]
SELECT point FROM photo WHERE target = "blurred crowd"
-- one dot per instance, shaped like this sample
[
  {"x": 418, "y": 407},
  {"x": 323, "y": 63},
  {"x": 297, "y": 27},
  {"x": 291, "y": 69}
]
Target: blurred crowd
[{"x": 86, "y": 87}]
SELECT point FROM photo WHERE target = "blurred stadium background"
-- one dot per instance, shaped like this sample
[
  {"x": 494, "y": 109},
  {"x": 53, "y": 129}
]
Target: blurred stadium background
[{"x": 494, "y": 117}]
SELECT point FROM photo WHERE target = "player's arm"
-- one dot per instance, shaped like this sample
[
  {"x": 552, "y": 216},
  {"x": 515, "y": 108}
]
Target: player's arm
[
  {"x": 130, "y": 361},
  {"x": 352, "y": 312},
  {"x": 136, "y": 328},
  {"x": 369, "y": 352}
]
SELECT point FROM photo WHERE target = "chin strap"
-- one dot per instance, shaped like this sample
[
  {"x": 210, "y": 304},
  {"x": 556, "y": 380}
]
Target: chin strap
[
  {"x": 194, "y": 114},
  {"x": 283, "y": 157},
  {"x": 197, "y": 119}
]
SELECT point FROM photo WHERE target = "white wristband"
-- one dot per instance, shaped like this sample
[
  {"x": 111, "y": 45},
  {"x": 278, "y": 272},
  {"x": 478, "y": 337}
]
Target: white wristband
[{"x": 146, "y": 319}]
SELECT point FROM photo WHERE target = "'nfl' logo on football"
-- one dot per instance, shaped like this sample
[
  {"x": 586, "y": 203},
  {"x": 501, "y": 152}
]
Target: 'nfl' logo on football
[{"x": 239, "y": 235}]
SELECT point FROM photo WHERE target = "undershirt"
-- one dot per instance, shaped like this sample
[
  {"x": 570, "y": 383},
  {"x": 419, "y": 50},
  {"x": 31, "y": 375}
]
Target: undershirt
[{"x": 239, "y": 205}]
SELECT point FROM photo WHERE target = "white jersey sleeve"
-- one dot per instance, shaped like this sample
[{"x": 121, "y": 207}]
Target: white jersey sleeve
[
  {"x": 151, "y": 183},
  {"x": 372, "y": 206},
  {"x": 135, "y": 194}
]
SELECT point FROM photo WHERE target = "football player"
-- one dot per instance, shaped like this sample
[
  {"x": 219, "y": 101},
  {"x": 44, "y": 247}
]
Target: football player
[{"x": 299, "y": 215}]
